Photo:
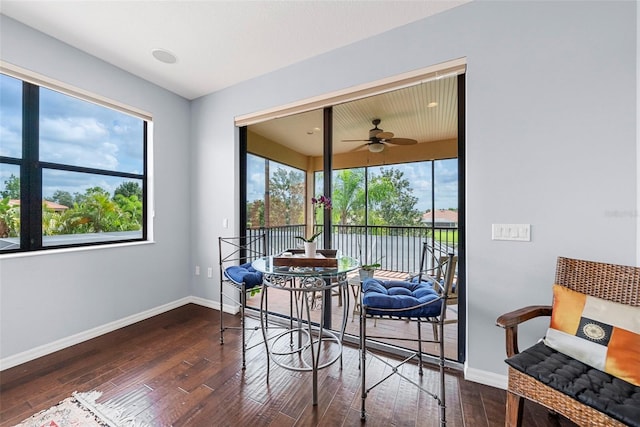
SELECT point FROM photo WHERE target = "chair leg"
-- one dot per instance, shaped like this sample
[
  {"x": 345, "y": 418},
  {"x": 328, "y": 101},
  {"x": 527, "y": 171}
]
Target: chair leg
[
  {"x": 513, "y": 416},
  {"x": 243, "y": 300},
  {"x": 443, "y": 388},
  {"x": 221, "y": 317},
  {"x": 263, "y": 326},
  {"x": 363, "y": 361},
  {"x": 420, "y": 372}
]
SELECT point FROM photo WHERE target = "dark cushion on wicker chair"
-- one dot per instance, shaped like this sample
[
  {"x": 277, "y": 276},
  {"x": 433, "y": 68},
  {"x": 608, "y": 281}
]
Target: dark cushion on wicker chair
[
  {"x": 599, "y": 390},
  {"x": 398, "y": 295},
  {"x": 244, "y": 273}
]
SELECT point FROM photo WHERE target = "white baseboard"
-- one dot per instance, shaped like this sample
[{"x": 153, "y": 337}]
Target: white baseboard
[
  {"x": 485, "y": 377},
  {"x": 43, "y": 350},
  {"x": 231, "y": 309}
]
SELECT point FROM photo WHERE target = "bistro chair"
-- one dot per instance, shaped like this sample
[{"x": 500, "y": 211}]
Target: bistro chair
[
  {"x": 421, "y": 300},
  {"x": 236, "y": 255}
]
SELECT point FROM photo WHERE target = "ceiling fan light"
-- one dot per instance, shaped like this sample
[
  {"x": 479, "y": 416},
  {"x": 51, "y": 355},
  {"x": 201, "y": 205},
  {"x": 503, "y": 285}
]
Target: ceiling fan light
[{"x": 376, "y": 147}]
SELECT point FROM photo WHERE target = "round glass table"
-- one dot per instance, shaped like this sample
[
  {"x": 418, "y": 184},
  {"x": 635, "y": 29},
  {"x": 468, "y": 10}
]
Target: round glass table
[{"x": 305, "y": 346}]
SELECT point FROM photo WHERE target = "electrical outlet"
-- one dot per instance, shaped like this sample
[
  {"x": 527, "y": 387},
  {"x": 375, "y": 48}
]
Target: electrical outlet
[
  {"x": 209, "y": 272},
  {"x": 197, "y": 270}
]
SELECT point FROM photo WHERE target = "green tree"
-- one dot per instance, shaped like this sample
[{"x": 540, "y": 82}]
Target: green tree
[
  {"x": 63, "y": 198},
  {"x": 69, "y": 221},
  {"x": 348, "y": 197},
  {"x": 93, "y": 212},
  {"x": 131, "y": 212},
  {"x": 391, "y": 200},
  {"x": 9, "y": 219},
  {"x": 128, "y": 189},
  {"x": 255, "y": 213},
  {"x": 286, "y": 197},
  {"x": 11, "y": 188},
  {"x": 97, "y": 208}
]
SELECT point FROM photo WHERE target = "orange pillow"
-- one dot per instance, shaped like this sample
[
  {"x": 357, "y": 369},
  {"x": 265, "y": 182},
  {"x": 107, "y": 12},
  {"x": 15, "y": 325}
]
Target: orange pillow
[{"x": 600, "y": 333}]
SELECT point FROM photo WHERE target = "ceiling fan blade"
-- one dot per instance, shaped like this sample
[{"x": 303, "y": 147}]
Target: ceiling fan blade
[
  {"x": 402, "y": 141},
  {"x": 354, "y": 140},
  {"x": 384, "y": 135}
]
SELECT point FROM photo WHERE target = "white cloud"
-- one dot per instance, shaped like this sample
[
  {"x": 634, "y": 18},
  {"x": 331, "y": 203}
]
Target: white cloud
[
  {"x": 77, "y": 141},
  {"x": 11, "y": 142},
  {"x": 72, "y": 129}
]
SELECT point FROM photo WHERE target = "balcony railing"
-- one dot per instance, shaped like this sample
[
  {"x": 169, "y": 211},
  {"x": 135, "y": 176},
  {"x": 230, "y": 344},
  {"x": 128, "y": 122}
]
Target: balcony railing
[{"x": 395, "y": 248}]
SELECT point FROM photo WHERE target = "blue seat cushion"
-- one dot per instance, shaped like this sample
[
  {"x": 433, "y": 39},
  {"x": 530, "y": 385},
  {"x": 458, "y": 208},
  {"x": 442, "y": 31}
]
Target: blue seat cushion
[
  {"x": 244, "y": 273},
  {"x": 430, "y": 283},
  {"x": 399, "y": 295}
]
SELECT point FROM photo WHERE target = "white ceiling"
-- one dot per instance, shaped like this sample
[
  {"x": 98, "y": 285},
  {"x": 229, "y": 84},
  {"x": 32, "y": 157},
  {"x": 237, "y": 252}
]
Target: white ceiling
[{"x": 217, "y": 43}]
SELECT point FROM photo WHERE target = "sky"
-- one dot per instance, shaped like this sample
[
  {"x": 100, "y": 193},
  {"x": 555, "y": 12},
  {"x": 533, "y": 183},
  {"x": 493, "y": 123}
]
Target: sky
[
  {"x": 418, "y": 174},
  {"x": 72, "y": 132}
]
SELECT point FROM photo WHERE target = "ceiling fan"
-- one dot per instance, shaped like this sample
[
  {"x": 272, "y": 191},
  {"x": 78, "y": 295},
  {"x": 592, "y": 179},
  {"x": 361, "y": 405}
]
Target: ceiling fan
[{"x": 378, "y": 137}]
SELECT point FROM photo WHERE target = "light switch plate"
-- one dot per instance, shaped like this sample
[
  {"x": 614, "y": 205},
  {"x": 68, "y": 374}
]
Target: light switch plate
[{"x": 517, "y": 232}]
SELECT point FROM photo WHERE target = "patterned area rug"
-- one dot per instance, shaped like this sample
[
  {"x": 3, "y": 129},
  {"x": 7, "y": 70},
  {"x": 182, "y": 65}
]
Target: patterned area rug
[{"x": 80, "y": 410}]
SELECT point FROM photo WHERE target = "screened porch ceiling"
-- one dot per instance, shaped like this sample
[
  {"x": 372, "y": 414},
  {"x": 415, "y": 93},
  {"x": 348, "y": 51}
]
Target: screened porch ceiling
[{"x": 407, "y": 113}]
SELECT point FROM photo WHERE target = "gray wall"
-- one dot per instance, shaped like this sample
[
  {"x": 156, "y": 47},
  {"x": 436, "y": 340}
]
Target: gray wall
[
  {"x": 551, "y": 141},
  {"x": 53, "y": 296}
]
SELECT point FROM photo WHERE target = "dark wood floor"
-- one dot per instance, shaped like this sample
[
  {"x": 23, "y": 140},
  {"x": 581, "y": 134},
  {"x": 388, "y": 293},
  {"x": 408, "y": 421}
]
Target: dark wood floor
[{"x": 171, "y": 370}]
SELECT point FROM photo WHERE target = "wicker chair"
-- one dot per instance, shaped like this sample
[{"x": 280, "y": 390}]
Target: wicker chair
[{"x": 607, "y": 281}]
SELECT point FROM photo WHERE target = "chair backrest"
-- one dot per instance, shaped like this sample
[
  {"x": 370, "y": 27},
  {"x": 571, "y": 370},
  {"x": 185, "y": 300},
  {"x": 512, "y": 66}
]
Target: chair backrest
[
  {"x": 242, "y": 249},
  {"x": 446, "y": 273},
  {"x": 612, "y": 282}
]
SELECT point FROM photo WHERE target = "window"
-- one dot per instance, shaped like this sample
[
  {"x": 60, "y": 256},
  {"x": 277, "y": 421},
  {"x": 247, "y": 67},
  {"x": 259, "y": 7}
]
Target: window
[
  {"x": 72, "y": 172},
  {"x": 277, "y": 201}
]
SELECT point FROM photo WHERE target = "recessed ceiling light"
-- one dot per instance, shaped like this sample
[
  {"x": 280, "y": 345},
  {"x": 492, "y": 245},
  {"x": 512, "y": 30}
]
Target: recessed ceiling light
[
  {"x": 432, "y": 104},
  {"x": 164, "y": 55}
]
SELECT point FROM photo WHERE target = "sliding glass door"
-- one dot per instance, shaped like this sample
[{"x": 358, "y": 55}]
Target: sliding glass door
[{"x": 389, "y": 163}]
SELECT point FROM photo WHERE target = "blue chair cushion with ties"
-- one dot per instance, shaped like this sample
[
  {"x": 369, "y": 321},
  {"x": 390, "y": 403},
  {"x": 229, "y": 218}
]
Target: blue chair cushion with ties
[
  {"x": 396, "y": 295},
  {"x": 244, "y": 273}
]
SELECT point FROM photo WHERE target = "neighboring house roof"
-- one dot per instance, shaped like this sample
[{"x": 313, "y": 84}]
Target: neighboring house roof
[
  {"x": 50, "y": 205},
  {"x": 441, "y": 216}
]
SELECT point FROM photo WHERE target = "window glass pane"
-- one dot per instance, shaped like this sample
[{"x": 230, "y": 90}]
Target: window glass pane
[
  {"x": 10, "y": 117},
  {"x": 79, "y": 133},
  {"x": 446, "y": 184},
  {"x": 9, "y": 206},
  {"x": 392, "y": 197},
  {"x": 84, "y": 208},
  {"x": 446, "y": 199},
  {"x": 286, "y": 195},
  {"x": 348, "y": 198},
  {"x": 318, "y": 182},
  {"x": 255, "y": 191}
]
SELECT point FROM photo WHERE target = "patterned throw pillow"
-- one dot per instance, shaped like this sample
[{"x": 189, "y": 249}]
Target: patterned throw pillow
[{"x": 597, "y": 332}]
